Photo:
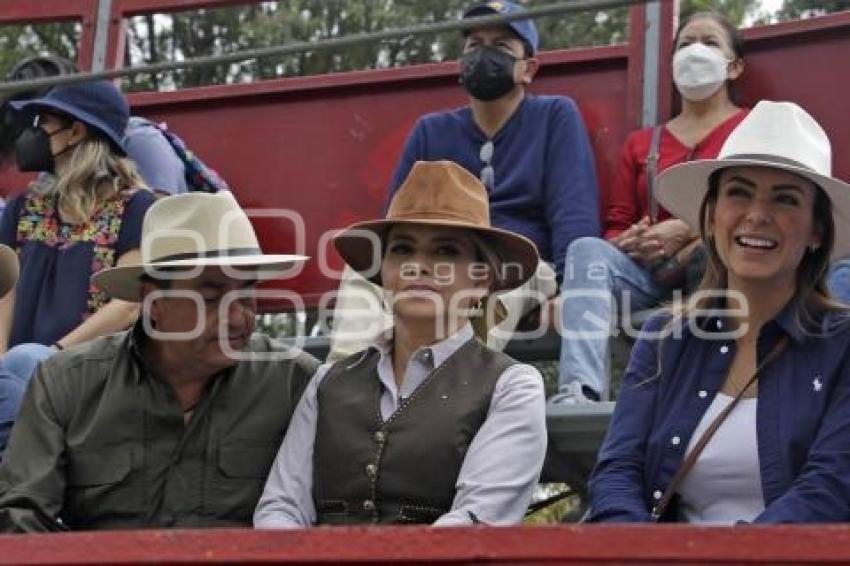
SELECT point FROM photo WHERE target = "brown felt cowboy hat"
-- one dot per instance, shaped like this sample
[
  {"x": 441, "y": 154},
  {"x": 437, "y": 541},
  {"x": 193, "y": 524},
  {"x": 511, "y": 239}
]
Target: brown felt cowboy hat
[
  {"x": 9, "y": 269},
  {"x": 444, "y": 194},
  {"x": 194, "y": 230}
]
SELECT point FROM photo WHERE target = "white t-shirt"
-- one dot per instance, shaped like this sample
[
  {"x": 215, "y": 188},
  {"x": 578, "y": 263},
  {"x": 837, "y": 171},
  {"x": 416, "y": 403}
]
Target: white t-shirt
[{"x": 724, "y": 486}]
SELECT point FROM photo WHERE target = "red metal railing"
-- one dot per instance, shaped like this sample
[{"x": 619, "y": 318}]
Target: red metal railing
[
  {"x": 646, "y": 544},
  {"x": 29, "y": 12}
]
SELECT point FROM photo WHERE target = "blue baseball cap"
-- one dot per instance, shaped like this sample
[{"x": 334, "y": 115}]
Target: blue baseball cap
[
  {"x": 98, "y": 104},
  {"x": 523, "y": 28}
]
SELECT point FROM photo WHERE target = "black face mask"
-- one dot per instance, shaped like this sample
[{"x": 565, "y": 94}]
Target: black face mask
[
  {"x": 487, "y": 73},
  {"x": 32, "y": 150}
]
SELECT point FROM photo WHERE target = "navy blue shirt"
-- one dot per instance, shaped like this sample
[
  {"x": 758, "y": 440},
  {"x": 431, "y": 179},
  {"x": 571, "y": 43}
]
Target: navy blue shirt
[
  {"x": 545, "y": 182},
  {"x": 802, "y": 419},
  {"x": 54, "y": 294}
]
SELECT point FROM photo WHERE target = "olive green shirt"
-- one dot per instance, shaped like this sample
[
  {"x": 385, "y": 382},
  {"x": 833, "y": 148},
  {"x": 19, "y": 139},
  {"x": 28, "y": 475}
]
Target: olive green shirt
[{"x": 101, "y": 444}]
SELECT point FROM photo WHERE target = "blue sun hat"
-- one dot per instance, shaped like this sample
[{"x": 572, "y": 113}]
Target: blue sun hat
[
  {"x": 98, "y": 104},
  {"x": 524, "y": 28}
]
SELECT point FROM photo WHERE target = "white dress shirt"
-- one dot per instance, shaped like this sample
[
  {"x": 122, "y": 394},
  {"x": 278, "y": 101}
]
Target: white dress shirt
[{"x": 498, "y": 474}]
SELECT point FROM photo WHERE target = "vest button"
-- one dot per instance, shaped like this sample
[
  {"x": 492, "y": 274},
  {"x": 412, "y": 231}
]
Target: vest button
[
  {"x": 371, "y": 470},
  {"x": 369, "y": 505},
  {"x": 380, "y": 437}
]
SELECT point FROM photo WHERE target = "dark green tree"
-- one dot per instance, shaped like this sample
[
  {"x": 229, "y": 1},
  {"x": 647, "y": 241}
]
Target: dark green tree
[
  {"x": 183, "y": 35},
  {"x": 205, "y": 32},
  {"x": 735, "y": 10},
  {"x": 797, "y": 9},
  {"x": 20, "y": 41}
]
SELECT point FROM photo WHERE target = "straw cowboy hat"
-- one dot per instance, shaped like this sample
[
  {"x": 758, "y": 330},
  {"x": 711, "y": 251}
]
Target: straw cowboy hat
[
  {"x": 194, "y": 230},
  {"x": 780, "y": 135},
  {"x": 9, "y": 269},
  {"x": 444, "y": 194}
]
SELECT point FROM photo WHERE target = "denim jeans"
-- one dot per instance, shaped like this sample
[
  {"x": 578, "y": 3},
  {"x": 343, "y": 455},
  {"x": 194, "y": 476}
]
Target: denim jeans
[
  {"x": 600, "y": 282},
  {"x": 21, "y": 360},
  {"x": 11, "y": 395},
  {"x": 16, "y": 369},
  {"x": 838, "y": 281}
]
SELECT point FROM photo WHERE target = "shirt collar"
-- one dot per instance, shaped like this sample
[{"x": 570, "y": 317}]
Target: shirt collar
[
  {"x": 476, "y": 132},
  {"x": 787, "y": 321},
  {"x": 716, "y": 321},
  {"x": 438, "y": 352},
  {"x": 135, "y": 337}
]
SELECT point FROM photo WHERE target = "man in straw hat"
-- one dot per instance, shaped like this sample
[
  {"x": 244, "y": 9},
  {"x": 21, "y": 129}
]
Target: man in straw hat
[
  {"x": 11, "y": 387},
  {"x": 531, "y": 152},
  {"x": 176, "y": 422},
  {"x": 430, "y": 426}
]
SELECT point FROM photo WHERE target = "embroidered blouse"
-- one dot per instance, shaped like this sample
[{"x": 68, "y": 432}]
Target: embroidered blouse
[{"x": 54, "y": 293}]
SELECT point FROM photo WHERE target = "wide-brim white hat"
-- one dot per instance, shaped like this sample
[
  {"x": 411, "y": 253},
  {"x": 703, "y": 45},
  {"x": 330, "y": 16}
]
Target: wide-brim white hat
[
  {"x": 194, "y": 230},
  {"x": 779, "y": 135},
  {"x": 9, "y": 269}
]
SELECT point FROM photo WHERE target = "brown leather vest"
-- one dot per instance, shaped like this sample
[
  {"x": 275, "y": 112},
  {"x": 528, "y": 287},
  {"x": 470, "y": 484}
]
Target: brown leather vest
[{"x": 402, "y": 470}]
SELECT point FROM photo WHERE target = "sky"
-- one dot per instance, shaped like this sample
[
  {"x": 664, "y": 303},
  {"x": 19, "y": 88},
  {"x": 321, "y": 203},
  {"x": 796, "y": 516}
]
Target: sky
[
  {"x": 764, "y": 6},
  {"x": 771, "y": 5}
]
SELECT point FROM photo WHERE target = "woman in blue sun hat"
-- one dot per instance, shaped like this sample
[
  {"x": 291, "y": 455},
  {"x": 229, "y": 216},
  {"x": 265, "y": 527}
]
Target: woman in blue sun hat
[{"x": 83, "y": 214}]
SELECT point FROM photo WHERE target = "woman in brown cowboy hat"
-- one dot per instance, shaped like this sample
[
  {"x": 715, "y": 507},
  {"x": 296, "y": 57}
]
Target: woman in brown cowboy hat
[
  {"x": 742, "y": 413},
  {"x": 428, "y": 425}
]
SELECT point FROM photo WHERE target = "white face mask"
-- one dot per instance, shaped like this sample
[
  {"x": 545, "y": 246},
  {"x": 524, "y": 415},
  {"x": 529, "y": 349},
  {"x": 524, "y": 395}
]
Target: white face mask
[{"x": 699, "y": 71}]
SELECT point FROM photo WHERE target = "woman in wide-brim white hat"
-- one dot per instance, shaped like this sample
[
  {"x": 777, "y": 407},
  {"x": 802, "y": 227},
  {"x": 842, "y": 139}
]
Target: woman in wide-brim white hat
[
  {"x": 758, "y": 356},
  {"x": 428, "y": 425}
]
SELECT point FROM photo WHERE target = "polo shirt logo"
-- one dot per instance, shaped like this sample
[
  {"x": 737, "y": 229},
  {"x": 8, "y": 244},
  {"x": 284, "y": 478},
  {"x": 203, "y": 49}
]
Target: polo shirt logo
[{"x": 816, "y": 384}]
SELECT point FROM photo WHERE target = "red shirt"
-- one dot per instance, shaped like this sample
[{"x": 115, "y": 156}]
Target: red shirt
[{"x": 628, "y": 202}]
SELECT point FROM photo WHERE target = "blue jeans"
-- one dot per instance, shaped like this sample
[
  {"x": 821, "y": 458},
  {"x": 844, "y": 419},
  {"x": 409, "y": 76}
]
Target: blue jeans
[
  {"x": 600, "y": 281},
  {"x": 16, "y": 369},
  {"x": 11, "y": 394},
  {"x": 838, "y": 281},
  {"x": 21, "y": 360}
]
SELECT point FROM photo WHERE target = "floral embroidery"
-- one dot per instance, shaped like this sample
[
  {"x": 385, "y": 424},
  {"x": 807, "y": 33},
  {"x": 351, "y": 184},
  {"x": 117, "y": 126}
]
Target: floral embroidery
[{"x": 39, "y": 221}]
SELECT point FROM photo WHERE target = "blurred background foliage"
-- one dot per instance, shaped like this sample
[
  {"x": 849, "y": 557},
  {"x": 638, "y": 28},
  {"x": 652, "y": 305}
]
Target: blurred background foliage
[{"x": 182, "y": 35}]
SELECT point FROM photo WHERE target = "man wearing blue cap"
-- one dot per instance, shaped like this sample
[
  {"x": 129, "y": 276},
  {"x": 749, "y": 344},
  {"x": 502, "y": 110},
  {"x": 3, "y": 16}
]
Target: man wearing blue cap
[{"x": 531, "y": 152}]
